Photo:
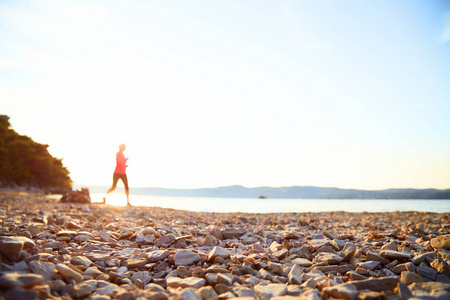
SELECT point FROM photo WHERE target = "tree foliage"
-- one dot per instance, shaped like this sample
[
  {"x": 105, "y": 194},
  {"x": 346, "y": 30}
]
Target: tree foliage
[{"x": 24, "y": 162}]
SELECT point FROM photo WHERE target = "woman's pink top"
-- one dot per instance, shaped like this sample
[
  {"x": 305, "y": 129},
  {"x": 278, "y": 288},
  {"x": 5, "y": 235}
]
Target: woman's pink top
[{"x": 121, "y": 163}]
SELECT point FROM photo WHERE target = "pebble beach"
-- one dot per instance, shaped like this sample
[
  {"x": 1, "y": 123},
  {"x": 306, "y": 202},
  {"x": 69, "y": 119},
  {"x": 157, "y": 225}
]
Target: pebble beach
[{"x": 55, "y": 250}]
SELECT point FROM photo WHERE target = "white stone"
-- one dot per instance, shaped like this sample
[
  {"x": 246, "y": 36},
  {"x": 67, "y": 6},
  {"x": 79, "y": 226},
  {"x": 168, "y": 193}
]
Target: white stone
[
  {"x": 166, "y": 240},
  {"x": 189, "y": 294},
  {"x": 92, "y": 271},
  {"x": 267, "y": 291},
  {"x": 21, "y": 267},
  {"x": 295, "y": 275},
  {"x": 302, "y": 262},
  {"x": 107, "y": 289},
  {"x": 189, "y": 282},
  {"x": 329, "y": 258},
  {"x": 342, "y": 291},
  {"x": 143, "y": 276},
  {"x": 82, "y": 238},
  {"x": 105, "y": 236},
  {"x": 148, "y": 238},
  {"x": 391, "y": 254},
  {"x": 157, "y": 255},
  {"x": 218, "y": 252},
  {"x": 46, "y": 269},
  {"x": 148, "y": 230},
  {"x": 139, "y": 238},
  {"x": 185, "y": 258},
  {"x": 68, "y": 273},
  {"x": 370, "y": 265},
  {"x": 81, "y": 260}
]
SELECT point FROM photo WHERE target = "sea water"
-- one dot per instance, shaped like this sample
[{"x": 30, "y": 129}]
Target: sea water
[{"x": 252, "y": 205}]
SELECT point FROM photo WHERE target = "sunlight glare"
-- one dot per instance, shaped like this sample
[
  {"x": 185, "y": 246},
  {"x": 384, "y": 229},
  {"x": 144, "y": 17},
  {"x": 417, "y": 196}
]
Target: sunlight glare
[{"x": 117, "y": 199}]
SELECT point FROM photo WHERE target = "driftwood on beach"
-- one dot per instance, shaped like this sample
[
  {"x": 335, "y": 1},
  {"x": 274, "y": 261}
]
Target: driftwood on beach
[{"x": 54, "y": 250}]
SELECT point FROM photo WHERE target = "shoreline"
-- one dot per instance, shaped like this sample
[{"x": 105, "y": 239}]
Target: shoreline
[
  {"x": 252, "y": 205},
  {"x": 51, "y": 249},
  {"x": 290, "y": 192}
]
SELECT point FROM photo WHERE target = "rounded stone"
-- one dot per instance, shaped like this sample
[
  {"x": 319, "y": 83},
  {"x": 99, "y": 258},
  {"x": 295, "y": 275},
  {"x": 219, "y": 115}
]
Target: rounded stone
[
  {"x": 441, "y": 242},
  {"x": 185, "y": 258}
]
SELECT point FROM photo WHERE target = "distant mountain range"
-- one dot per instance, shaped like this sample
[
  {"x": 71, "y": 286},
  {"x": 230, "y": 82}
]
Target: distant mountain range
[{"x": 305, "y": 192}]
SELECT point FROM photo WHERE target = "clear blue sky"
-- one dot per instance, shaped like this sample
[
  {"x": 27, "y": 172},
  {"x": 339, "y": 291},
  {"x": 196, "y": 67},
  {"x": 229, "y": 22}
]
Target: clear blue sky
[{"x": 351, "y": 94}]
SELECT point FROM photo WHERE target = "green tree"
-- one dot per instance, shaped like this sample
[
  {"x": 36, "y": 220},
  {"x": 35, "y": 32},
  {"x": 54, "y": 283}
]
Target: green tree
[{"x": 27, "y": 163}]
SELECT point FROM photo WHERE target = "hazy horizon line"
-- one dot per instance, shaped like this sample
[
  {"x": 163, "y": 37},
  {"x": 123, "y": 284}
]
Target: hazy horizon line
[{"x": 262, "y": 186}]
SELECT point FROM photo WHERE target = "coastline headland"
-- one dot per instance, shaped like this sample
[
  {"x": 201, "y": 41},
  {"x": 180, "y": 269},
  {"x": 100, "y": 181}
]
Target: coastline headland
[{"x": 55, "y": 250}]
